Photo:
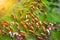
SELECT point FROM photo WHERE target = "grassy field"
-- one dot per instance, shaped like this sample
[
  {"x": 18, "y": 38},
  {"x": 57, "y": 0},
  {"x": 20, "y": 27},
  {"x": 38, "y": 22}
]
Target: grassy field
[{"x": 52, "y": 16}]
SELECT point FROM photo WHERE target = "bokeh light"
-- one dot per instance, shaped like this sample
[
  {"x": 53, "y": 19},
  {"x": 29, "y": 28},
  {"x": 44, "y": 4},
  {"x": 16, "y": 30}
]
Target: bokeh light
[{"x": 5, "y": 5}]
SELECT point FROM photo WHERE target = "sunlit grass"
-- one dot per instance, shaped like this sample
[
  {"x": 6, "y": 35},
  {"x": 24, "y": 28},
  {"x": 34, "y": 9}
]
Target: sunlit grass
[{"x": 5, "y": 5}]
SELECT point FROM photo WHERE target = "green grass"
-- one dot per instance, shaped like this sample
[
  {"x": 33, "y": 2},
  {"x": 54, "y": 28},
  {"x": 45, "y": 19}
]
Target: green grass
[{"x": 51, "y": 17}]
